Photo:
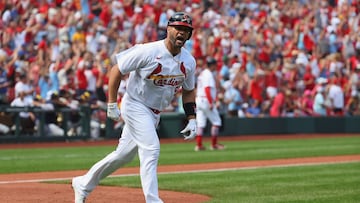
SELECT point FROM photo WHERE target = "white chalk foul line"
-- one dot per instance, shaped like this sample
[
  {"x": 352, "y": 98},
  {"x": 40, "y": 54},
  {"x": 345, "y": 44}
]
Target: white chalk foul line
[{"x": 188, "y": 171}]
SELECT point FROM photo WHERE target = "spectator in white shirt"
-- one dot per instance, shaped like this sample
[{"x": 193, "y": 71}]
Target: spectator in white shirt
[
  {"x": 336, "y": 97},
  {"x": 24, "y": 87},
  {"x": 319, "y": 107},
  {"x": 232, "y": 99},
  {"x": 27, "y": 119}
]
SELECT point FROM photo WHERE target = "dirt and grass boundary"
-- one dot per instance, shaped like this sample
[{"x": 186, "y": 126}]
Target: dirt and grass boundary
[{"x": 31, "y": 187}]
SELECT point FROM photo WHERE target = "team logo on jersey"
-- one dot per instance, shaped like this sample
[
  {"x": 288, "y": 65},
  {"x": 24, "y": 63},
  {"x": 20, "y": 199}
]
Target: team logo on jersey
[{"x": 165, "y": 80}]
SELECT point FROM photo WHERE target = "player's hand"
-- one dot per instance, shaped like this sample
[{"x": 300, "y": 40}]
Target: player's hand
[
  {"x": 211, "y": 106},
  {"x": 189, "y": 132},
  {"x": 113, "y": 111}
]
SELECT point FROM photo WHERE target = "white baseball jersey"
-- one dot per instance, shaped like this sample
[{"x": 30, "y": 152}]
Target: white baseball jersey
[
  {"x": 206, "y": 79},
  {"x": 155, "y": 74}
]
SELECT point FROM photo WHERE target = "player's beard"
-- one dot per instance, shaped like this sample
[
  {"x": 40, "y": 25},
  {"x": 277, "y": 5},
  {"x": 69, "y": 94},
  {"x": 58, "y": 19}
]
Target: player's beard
[{"x": 178, "y": 42}]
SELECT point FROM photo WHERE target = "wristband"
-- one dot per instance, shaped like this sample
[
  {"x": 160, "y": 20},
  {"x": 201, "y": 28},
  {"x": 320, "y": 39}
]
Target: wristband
[
  {"x": 190, "y": 109},
  {"x": 112, "y": 105}
]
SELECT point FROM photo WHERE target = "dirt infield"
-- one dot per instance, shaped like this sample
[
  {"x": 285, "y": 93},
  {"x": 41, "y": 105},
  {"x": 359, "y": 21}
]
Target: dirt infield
[{"x": 29, "y": 187}]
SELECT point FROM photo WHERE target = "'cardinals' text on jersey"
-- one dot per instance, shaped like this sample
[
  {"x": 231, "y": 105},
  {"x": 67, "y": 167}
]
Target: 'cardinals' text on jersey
[{"x": 156, "y": 75}]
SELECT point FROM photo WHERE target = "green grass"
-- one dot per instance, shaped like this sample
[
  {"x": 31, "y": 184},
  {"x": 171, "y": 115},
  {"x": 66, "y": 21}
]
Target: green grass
[
  {"x": 332, "y": 183},
  {"x": 329, "y": 183},
  {"x": 76, "y": 158}
]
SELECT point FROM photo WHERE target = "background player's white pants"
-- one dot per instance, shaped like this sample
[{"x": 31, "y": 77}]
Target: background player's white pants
[
  {"x": 4, "y": 129},
  {"x": 55, "y": 130},
  {"x": 204, "y": 112},
  {"x": 139, "y": 135}
]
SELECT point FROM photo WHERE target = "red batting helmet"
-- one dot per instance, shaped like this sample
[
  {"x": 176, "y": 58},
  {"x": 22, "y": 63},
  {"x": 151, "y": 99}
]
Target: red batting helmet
[{"x": 181, "y": 19}]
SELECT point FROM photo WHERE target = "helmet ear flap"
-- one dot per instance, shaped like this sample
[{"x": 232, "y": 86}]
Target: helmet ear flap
[{"x": 190, "y": 35}]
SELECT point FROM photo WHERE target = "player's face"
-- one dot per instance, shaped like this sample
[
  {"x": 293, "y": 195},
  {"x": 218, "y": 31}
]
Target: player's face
[{"x": 178, "y": 35}]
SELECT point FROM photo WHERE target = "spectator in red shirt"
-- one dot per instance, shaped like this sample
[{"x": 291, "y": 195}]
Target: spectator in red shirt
[
  {"x": 271, "y": 78},
  {"x": 264, "y": 54},
  {"x": 82, "y": 82},
  {"x": 306, "y": 103},
  {"x": 308, "y": 41},
  {"x": 278, "y": 103},
  {"x": 256, "y": 87},
  {"x": 309, "y": 79},
  {"x": 197, "y": 51},
  {"x": 290, "y": 75},
  {"x": 42, "y": 51}
]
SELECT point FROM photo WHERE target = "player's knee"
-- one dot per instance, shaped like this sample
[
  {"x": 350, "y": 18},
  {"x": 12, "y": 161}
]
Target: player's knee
[
  {"x": 155, "y": 152},
  {"x": 152, "y": 153},
  {"x": 124, "y": 155}
]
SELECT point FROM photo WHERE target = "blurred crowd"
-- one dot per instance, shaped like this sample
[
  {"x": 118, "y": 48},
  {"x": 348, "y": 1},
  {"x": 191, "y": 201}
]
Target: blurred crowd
[{"x": 275, "y": 57}]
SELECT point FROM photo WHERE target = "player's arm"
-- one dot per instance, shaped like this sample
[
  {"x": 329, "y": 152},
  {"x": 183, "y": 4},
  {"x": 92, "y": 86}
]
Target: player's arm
[
  {"x": 188, "y": 99},
  {"x": 113, "y": 111},
  {"x": 114, "y": 83},
  {"x": 208, "y": 96}
]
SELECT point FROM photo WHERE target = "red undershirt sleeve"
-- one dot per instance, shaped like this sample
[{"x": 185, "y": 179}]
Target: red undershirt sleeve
[{"x": 208, "y": 94}]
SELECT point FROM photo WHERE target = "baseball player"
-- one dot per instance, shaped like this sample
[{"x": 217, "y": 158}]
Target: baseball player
[
  {"x": 156, "y": 71},
  {"x": 206, "y": 107}
]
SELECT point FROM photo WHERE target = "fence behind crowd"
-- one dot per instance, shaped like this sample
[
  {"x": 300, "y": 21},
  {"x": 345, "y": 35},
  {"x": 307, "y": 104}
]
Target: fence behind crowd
[
  {"x": 171, "y": 123},
  {"x": 78, "y": 124}
]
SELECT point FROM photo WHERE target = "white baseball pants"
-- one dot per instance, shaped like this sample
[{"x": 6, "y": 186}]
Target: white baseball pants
[
  {"x": 139, "y": 136},
  {"x": 204, "y": 112}
]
